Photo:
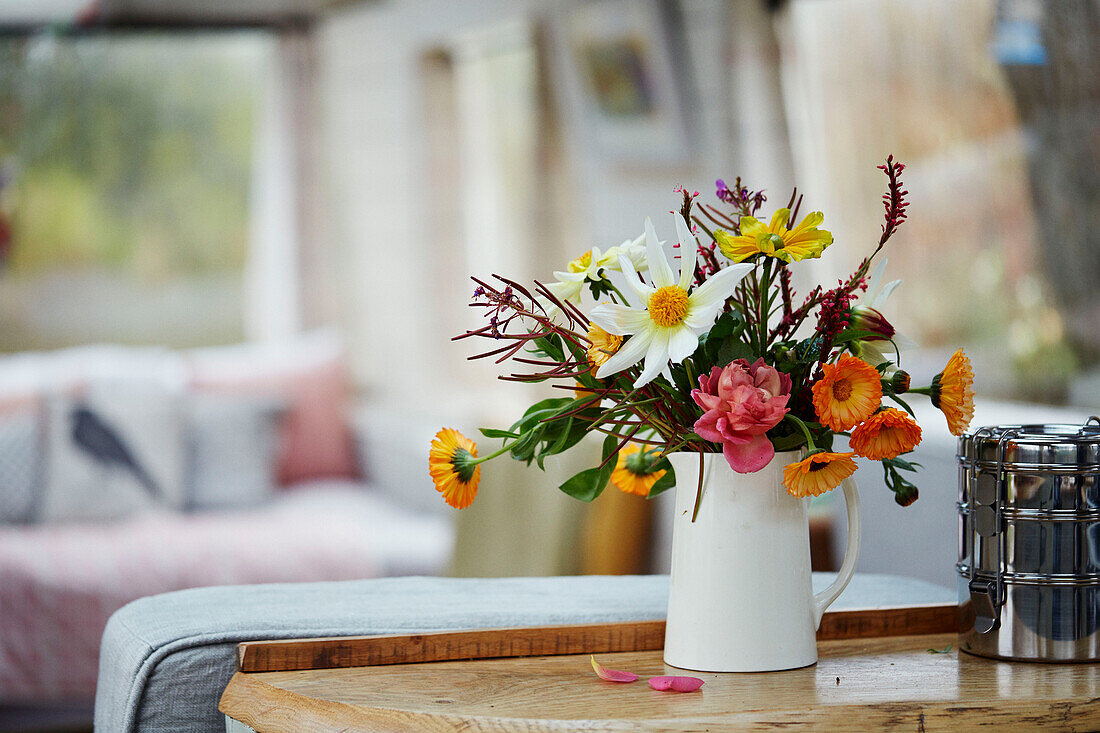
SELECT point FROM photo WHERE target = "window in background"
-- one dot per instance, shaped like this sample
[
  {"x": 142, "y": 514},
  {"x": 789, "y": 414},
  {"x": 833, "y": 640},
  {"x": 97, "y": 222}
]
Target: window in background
[
  {"x": 125, "y": 187},
  {"x": 496, "y": 178},
  {"x": 994, "y": 107}
]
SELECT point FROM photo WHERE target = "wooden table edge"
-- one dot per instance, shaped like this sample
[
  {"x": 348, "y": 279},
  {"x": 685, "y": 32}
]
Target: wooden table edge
[{"x": 361, "y": 651}]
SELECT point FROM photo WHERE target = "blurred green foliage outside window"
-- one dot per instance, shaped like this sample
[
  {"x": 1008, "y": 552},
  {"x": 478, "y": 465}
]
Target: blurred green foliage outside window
[{"x": 125, "y": 176}]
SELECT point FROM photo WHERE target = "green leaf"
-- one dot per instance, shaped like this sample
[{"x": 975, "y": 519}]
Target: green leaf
[
  {"x": 904, "y": 404},
  {"x": 559, "y": 444},
  {"x": 494, "y": 433},
  {"x": 610, "y": 456},
  {"x": 732, "y": 350},
  {"x": 727, "y": 329},
  {"x": 664, "y": 483},
  {"x": 552, "y": 426},
  {"x": 550, "y": 346},
  {"x": 586, "y": 485},
  {"x": 852, "y": 334},
  {"x": 546, "y": 407},
  {"x": 587, "y": 380},
  {"x": 524, "y": 448},
  {"x": 680, "y": 380},
  {"x": 725, "y": 326},
  {"x": 945, "y": 650},
  {"x": 609, "y": 445},
  {"x": 788, "y": 442},
  {"x": 899, "y": 462},
  {"x": 575, "y": 434}
]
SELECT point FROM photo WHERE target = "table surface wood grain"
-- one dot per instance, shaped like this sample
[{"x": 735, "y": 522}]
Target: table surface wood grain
[{"x": 873, "y": 683}]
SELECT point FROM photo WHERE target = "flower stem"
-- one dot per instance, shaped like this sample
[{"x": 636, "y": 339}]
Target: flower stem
[
  {"x": 920, "y": 390},
  {"x": 698, "y": 490},
  {"x": 763, "y": 306},
  {"x": 504, "y": 449},
  {"x": 805, "y": 430}
]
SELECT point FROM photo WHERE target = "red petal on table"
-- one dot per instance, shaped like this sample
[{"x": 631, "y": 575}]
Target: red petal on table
[
  {"x": 612, "y": 675},
  {"x": 675, "y": 684}
]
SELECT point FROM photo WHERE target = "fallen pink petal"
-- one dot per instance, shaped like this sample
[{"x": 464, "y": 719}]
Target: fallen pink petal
[
  {"x": 612, "y": 675},
  {"x": 675, "y": 684}
]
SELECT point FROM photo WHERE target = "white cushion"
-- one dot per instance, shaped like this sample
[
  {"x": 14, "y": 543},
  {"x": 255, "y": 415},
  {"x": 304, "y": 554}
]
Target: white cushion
[{"x": 232, "y": 445}]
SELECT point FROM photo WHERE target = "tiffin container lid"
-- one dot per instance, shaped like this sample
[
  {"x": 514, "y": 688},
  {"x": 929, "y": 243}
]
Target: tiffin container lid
[{"x": 1034, "y": 446}]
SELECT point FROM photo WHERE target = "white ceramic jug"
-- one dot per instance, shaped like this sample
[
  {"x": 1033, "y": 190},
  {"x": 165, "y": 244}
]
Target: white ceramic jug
[{"x": 740, "y": 596}]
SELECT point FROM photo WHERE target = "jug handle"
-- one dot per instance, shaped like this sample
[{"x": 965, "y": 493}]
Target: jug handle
[{"x": 825, "y": 598}]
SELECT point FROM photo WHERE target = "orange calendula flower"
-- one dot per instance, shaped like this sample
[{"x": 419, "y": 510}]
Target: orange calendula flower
[
  {"x": 452, "y": 463},
  {"x": 634, "y": 472},
  {"x": 953, "y": 392},
  {"x": 848, "y": 393},
  {"x": 886, "y": 434},
  {"x": 817, "y": 473},
  {"x": 603, "y": 345}
]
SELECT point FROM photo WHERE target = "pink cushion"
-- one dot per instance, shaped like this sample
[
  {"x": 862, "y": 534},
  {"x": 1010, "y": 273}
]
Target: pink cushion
[
  {"x": 60, "y": 583},
  {"x": 21, "y": 404},
  {"x": 315, "y": 440}
]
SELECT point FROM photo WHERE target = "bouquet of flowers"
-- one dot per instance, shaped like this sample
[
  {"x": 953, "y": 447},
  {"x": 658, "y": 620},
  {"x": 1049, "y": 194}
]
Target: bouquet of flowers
[{"x": 711, "y": 351}]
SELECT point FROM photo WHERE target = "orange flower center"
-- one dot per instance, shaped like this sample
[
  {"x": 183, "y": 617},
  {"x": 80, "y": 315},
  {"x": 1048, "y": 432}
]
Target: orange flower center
[
  {"x": 842, "y": 390},
  {"x": 668, "y": 306}
]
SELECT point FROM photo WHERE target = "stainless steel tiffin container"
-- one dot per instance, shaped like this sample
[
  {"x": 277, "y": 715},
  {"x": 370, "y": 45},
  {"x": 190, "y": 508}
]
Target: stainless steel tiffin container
[{"x": 1029, "y": 542}]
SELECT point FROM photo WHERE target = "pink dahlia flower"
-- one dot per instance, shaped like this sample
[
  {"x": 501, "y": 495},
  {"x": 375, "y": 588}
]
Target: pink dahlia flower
[{"x": 741, "y": 403}]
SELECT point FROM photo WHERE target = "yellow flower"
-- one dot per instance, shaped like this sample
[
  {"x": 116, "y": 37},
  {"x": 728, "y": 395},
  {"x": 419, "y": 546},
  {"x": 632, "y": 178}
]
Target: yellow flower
[
  {"x": 886, "y": 434},
  {"x": 848, "y": 393},
  {"x": 454, "y": 471},
  {"x": 775, "y": 239},
  {"x": 634, "y": 472},
  {"x": 603, "y": 345},
  {"x": 817, "y": 473},
  {"x": 953, "y": 392}
]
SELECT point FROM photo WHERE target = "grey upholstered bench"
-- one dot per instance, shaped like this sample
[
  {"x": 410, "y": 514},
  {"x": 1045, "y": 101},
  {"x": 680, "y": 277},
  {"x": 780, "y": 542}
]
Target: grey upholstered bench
[{"x": 165, "y": 659}]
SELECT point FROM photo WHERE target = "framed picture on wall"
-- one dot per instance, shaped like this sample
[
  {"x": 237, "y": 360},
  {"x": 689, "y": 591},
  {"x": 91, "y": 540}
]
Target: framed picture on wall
[{"x": 620, "y": 58}]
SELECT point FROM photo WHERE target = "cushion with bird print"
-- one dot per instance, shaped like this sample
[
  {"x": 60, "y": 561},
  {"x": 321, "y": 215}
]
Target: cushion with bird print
[{"x": 113, "y": 448}]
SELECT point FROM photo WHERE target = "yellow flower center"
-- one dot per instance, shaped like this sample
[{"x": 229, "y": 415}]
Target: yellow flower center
[
  {"x": 668, "y": 306},
  {"x": 581, "y": 263}
]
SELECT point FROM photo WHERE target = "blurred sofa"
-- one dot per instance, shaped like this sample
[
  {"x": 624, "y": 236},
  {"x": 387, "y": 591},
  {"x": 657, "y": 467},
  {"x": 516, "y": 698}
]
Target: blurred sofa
[{"x": 127, "y": 472}]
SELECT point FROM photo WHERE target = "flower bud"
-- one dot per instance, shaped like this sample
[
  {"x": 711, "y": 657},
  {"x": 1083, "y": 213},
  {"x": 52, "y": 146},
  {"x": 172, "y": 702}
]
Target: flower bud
[
  {"x": 905, "y": 495},
  {"x": 866, "y": 318},
  {"x": 899, "y": 382}
]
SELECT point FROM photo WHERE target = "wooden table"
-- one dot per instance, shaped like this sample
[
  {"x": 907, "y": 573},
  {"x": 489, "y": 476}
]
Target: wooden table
[{"x": 885, "y": 681}]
